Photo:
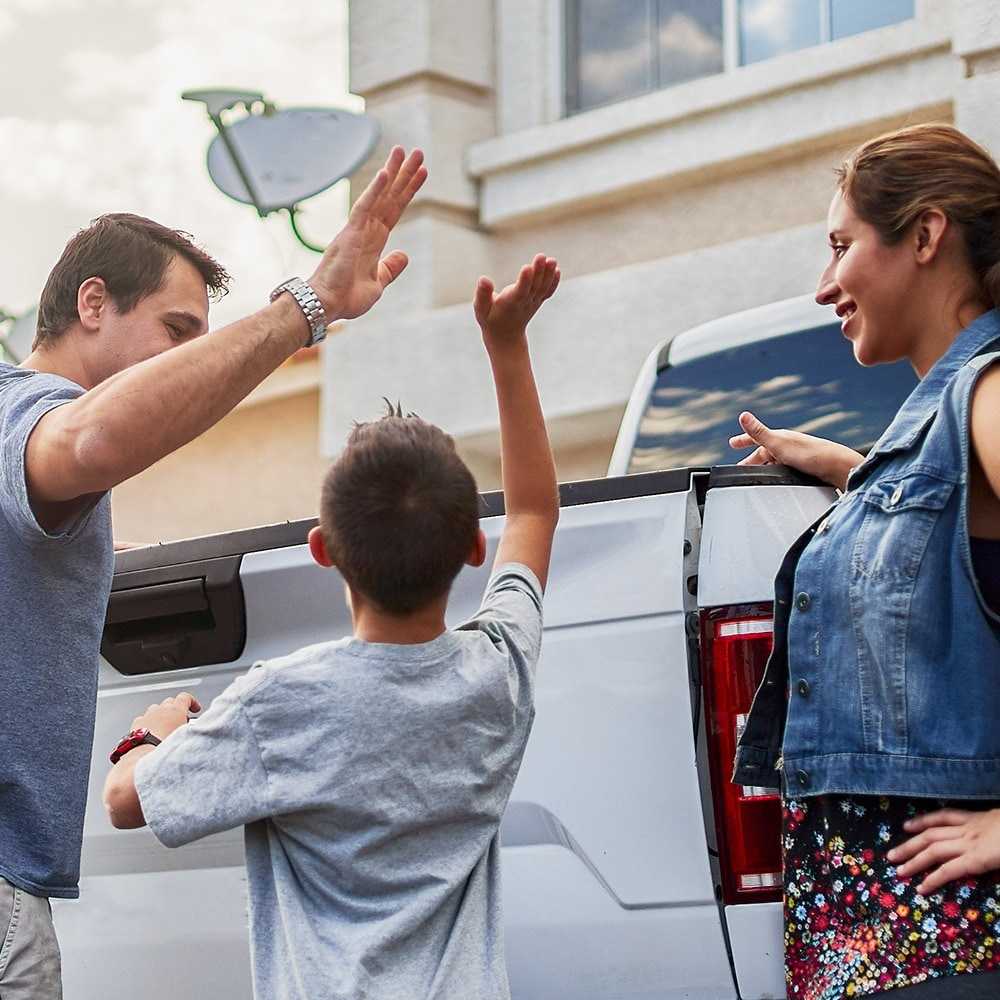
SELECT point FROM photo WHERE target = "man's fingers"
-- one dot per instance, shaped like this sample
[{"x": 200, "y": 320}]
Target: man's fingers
[
  {"x": 483, "y": 299},
  {"x": 416, "y": 183},
  {"x": 391, "y": 267},
  {"x": 371, "y": 194},
  {"x": 741, "y": 441},
  {"x": 407, "y": 170}
]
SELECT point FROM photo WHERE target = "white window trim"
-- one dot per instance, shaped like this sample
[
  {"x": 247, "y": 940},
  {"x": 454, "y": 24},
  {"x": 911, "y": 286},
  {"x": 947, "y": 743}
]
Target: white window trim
[
  {"x": 707, "y": 93},
  {"x": 730, "y": 49}
]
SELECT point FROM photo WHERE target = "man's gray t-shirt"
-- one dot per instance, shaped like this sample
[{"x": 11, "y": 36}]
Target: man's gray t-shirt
[
  {"x": 372, "y": 779},
  {"x": 54, "y": 589}
]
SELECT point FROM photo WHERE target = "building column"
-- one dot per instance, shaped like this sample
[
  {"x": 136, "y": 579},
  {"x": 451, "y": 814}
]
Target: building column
[{"x": 977, "y": 96}]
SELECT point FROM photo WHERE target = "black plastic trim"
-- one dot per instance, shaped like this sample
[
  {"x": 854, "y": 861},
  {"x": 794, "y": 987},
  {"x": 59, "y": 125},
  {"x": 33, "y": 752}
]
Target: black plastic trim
[
  {"x": 175, "y": 616},
  {"x": 279, "y": 536},
  {"x": 760, "y": 475}
]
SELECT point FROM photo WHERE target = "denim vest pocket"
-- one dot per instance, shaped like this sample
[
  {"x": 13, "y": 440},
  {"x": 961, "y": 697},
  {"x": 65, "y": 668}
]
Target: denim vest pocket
[{"x": 899, "y": 515}]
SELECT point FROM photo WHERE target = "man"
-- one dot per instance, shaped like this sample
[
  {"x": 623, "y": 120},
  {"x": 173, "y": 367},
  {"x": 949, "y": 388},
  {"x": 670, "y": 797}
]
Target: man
[{"x": 120, "y": 376}]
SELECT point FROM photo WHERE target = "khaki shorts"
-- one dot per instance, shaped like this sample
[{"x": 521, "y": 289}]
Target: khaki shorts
[{"x": 30, "y": 967}]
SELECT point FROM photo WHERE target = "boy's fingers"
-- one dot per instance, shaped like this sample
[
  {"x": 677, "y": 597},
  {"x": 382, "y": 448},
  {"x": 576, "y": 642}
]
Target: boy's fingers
[
  {"x": 187, "y": 702},
  {"x": 483, "y": 299},
  {"x": 524, "y": 280}
]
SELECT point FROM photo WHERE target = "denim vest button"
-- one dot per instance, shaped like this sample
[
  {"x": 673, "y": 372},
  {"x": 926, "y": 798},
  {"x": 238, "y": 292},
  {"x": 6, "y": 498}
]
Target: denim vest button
[
  {"x": 802, "y": 777},
  {"x": 897, "y": 495},
  {"x": 804, "y": 688},
  {"x": 803, "y": 601}
]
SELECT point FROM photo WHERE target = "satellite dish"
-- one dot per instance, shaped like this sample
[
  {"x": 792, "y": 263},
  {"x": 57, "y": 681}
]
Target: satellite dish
[
  {"x": 290, "y": 155},
  {"x": 275, "y": 159},
  {"x": 20, "y": 334}
]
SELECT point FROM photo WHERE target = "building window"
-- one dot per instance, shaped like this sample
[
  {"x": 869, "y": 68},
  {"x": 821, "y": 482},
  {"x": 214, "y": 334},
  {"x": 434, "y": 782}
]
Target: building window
[{"x": 622, "y": 48}]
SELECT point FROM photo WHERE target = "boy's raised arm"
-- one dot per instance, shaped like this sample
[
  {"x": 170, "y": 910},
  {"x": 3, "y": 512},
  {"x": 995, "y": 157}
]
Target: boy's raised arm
[{"x": 531, "y": 495}]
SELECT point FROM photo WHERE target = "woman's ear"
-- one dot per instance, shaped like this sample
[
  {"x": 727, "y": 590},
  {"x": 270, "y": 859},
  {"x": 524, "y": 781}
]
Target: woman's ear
[
  {"x": 477, "y": 554},
  {"x": 931, "y": 227},
  {"x": 318, "y": 550}
]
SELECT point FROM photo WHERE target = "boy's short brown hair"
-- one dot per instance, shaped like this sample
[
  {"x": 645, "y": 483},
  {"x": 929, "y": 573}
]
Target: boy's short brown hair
[{"x": 399, "y": 512}]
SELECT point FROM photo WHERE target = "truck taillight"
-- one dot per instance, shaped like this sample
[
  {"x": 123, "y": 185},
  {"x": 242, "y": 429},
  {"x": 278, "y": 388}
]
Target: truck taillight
[{"x": 736, "y": 642}]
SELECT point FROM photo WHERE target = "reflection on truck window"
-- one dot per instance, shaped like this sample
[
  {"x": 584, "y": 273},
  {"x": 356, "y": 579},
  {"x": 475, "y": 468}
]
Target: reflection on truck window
[{"x": 806, "y": 381}]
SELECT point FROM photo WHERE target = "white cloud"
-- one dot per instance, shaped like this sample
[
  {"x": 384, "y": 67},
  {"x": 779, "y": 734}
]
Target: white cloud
[{"x": 115, "y": 135}]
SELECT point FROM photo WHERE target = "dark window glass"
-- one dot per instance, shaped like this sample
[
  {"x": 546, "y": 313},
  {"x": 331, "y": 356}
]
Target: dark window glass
[
  {"x": 770, "y": 27},
  {"x": 850, "y": 17},
  {"x": 614, "y": 57},
  {"x": 689, "y": 37},
  {"x": 806, "y": 381},
  {"x": 621, "y": 48}
]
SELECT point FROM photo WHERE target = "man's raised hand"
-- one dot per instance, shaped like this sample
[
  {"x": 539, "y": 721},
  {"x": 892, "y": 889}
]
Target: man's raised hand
[
  {"x": 353, "y": 274},
  {"x": 505, "y": 315}
]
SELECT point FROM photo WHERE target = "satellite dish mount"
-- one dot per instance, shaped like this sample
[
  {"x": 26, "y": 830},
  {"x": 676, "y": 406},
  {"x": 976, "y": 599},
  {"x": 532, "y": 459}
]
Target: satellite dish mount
[{"x": 275, "y": 159}]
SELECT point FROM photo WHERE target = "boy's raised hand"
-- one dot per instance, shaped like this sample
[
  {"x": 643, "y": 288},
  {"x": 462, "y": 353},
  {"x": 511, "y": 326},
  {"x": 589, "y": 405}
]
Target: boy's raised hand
[{"x": 505, "y": 315}]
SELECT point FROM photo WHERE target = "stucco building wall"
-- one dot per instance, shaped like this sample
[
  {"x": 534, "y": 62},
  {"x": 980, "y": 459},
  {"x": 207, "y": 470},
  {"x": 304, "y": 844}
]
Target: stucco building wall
[{"x": 665, "y": 210}]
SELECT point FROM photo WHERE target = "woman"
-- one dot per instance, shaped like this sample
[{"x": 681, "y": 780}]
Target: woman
[{"x": 879, "y": 712}]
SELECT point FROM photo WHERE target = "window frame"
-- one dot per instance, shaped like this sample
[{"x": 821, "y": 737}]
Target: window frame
[{"x": 566, "y": 34}]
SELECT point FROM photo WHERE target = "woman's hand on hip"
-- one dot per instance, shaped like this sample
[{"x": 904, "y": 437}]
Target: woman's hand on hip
[
  {"x": 814, "y": 456},
  {"x": 950, "y": 844}
]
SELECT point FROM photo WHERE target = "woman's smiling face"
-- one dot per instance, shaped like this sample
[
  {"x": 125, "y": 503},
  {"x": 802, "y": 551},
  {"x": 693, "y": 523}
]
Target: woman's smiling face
[{"x": 870, "y": 284}]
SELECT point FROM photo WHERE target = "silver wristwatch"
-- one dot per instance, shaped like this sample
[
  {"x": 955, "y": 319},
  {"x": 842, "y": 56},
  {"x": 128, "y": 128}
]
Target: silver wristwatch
[{"x": 310, "y": 305}]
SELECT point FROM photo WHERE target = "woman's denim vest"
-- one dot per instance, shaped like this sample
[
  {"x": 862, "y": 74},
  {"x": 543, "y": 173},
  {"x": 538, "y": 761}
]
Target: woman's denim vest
[{"x": 885, "y": 674}]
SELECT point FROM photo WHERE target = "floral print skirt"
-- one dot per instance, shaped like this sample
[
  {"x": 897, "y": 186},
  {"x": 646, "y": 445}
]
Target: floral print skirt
[{"x": 852, "y": 927}]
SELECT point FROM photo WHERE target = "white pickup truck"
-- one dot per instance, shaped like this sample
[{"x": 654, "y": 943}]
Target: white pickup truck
[{"x": 632, "y": 867}]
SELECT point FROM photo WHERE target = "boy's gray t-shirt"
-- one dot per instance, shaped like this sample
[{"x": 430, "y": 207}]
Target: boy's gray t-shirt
[
  {"x": 372, "y": 779},
  {"x": 54, "y": 589}
]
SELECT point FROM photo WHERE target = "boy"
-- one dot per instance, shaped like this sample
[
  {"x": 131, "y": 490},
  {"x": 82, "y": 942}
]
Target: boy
[{"x": 372, "y": 772}]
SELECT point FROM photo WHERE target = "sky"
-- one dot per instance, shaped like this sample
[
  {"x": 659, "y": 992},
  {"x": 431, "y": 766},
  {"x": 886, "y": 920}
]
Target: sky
[{"x": 92, "y": 121}]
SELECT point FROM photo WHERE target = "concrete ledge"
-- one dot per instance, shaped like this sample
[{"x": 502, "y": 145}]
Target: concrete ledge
[{"x": 818, "y": 95}]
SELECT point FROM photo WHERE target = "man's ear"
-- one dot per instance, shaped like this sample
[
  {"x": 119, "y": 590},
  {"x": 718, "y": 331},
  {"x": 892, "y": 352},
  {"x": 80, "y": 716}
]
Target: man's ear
[
  {"x": 477, "y": 554},
  {"x": 91, "y": 299},
  {"x": 931, "y": 227},
  {"x": 317, "y": 548}
]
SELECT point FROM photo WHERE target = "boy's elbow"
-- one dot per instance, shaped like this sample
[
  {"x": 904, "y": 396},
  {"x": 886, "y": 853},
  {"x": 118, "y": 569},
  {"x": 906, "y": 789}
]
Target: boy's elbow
[{"x": 122, "y": 806}]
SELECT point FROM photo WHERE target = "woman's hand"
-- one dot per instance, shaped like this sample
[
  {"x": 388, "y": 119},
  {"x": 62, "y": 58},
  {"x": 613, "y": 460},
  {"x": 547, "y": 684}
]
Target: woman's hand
[
  {"x": 955, "y": 843},
  {"x": 814, "y": 456}
]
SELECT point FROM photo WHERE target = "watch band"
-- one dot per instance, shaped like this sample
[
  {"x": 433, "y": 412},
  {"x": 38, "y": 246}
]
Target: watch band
[
  {"x": 134, "y": 739},
  {"x": 310, "y": 305}
]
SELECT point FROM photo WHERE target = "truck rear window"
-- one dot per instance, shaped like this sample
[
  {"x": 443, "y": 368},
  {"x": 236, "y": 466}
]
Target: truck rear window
[{"x": 806, "y": 381}]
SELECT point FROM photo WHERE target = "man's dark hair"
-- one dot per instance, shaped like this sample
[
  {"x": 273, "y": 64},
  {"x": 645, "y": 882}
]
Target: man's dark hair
[
  {"x": 131, "y": 254},
  {"x": 399, "y": 512}
]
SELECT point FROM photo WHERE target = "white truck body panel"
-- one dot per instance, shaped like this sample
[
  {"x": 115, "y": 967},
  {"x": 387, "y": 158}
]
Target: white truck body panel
[{"x": 608, "y": 886}]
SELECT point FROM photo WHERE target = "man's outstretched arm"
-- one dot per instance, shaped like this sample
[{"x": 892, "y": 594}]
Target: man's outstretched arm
[{"x": 138, "y": 416}]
